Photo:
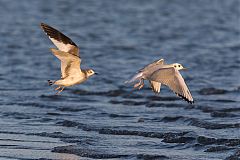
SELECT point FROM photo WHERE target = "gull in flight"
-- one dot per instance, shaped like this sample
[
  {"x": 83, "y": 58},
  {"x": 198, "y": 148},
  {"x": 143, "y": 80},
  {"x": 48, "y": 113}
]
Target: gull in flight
[
  {"x": 68, "y": 54},
  {"x": 160, "y": 73}
]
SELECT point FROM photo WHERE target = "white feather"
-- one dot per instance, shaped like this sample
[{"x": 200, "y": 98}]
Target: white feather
[{"x": 61, "y": 46}]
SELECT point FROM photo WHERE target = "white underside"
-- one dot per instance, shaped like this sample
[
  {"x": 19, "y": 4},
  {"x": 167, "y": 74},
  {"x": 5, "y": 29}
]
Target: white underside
[{"x": 71, "y": 80}]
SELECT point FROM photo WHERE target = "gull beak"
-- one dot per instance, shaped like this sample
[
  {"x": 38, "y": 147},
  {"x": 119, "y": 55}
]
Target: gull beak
[
  {"x": 96, "y": 73},
  {"x": 184, "y": 68}
]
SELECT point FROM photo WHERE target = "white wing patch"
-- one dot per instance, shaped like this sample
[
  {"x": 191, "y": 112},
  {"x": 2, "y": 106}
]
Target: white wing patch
[
  {"x": 61, "y": 46},
  {"x": 61, "y": 41}
]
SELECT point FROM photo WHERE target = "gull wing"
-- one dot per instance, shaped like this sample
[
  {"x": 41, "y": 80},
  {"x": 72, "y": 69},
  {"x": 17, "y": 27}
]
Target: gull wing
[
  {"x": 151, "y": 65},
  {"x": 173, "y": 79},
  {"x": 146, "y": 71},
  {"x": 62, "y": 42},
  {"x": 70, "y": 64},
  {"x": 151, "y": 68},
  {"x": 155, "y": 86}
]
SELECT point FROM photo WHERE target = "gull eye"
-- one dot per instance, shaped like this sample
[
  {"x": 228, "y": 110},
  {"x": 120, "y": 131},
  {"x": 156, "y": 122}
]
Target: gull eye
[
  {"x": 179, "y": 66},
  {"x": 175, "y": 66}
]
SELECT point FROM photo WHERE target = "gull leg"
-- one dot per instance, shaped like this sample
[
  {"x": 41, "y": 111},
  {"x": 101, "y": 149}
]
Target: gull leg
[
  {"x": 57, "y": 88},
  {"x": 60, "y": 91},
  {"x": 141, "y": 84},
  {"x": 137, "y": 84}
]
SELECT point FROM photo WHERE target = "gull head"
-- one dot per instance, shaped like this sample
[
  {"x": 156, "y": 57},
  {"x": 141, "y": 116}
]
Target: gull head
[
  {"x": 90, "y": 72},
  {"x": 178, "y": 66}
]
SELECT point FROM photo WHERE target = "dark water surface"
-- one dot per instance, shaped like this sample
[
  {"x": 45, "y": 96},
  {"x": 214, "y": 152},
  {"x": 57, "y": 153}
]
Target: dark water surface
[{"x": 103, "y": 118}]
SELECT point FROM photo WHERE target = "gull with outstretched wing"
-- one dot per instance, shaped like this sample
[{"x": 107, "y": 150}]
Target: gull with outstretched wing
[
  {"x": 160, "y": 73},
  {"x": 68, "y": 53}
]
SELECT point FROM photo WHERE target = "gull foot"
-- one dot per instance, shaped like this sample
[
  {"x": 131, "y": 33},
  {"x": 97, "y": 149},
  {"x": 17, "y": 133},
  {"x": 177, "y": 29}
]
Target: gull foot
[{"x": 50, "y": 82}]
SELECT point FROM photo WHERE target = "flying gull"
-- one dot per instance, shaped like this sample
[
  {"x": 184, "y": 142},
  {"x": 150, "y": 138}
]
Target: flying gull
[
  {"x": 68, "y": 54},
  {"x": 160, "y": 73}
]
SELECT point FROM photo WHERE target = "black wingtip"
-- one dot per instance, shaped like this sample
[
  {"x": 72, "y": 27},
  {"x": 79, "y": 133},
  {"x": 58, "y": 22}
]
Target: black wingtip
[
  {"x": 42, "y": 25},
  {"x": 184, "y": 98}
]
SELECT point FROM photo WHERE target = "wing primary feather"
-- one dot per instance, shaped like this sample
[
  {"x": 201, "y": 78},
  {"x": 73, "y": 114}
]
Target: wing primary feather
[
  {"x": 61, "y": 41},
  {"x": 54, "y": 33}
]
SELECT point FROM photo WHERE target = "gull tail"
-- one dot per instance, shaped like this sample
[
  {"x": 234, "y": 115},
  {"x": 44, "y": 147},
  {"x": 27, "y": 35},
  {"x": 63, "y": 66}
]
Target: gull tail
[
  {"x": 137, "y": 77},
  {"x": 50, "y": 82}
]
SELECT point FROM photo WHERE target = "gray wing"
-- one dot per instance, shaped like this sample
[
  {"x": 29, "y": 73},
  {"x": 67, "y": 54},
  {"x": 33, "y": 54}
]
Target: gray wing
[
  {"x": 70, "y": 64},
  {"x": 152, "y": 65},
  {"x": 146, "y": 71},
  {"x": 155, "y": 86},
  {"x": 173, "y": 79},
  {"x": 62, "y": 42}
]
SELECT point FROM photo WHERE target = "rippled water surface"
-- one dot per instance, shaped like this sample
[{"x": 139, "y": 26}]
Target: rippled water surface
[{"x": 103, "y": 118}]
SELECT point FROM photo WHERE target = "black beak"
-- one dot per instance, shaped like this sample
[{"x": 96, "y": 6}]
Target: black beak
[
  {"x": 96, "y": 73},
  {"x": 184, "y": 68}
]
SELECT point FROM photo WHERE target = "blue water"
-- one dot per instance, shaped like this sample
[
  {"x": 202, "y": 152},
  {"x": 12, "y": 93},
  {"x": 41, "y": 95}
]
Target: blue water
[{"x": 103, "y": 118}]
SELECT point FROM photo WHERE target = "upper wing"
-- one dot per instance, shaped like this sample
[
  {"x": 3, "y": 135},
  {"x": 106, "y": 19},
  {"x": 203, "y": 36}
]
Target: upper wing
[
  {"x": 153, "y": 64},
  {"x": 70, "y": 64},
  {"x": 173, "y": 79},
  {"x": 61, "y": 41},
  {"x": 146, "y": 71},
  {"x": 155, "y": 86}
]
